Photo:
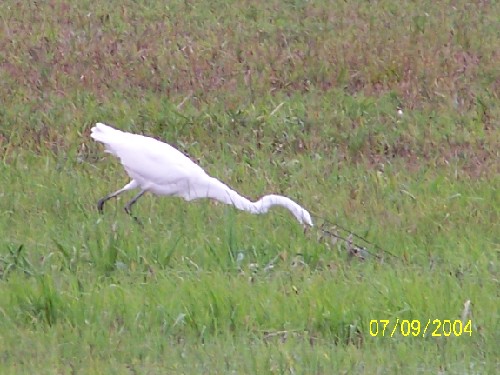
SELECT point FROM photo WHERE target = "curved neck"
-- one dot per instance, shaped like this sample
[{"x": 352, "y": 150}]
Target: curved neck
[
  {"x": 263, "y": 204},
  {"x": 221, "y": 192},
  {"x": 266, "y": 202}
]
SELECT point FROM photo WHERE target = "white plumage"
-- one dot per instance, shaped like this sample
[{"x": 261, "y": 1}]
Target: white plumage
[{"x": 161, "y": 169}]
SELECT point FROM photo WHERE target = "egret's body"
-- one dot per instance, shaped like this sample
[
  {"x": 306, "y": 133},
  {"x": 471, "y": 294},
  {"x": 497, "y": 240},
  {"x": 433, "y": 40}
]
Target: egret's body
[{"x": 161, "y": 169}]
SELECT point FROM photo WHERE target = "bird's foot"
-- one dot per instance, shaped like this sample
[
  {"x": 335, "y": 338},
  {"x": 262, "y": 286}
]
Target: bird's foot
[
  {"x": 100, "y": 205},
  {"x": 136, "y": 219}
]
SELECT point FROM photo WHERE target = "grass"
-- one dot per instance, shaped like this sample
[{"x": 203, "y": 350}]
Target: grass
[{"x": 296, "y": 98}]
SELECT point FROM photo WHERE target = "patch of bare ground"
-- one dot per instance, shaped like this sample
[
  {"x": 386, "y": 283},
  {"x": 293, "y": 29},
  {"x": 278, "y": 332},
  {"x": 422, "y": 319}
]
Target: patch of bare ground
[
  {"x": 467, "y": 160},
  {"x": 432, "y": 60},
  {"x": 416, "y": 55}
]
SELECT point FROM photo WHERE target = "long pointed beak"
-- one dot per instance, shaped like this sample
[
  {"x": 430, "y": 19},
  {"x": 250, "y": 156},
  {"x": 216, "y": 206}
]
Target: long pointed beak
[{"x": 306, "y": 227}]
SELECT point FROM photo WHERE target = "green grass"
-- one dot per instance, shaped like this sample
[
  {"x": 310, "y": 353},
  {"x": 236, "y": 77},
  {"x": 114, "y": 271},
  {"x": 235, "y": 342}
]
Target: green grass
[{"x": 296, "y": 98}]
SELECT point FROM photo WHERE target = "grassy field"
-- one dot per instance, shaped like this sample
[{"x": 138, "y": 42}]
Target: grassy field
[{"x": 298, "y": 98}]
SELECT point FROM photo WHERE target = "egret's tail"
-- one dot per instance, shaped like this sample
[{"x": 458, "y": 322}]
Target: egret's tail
[
  {"x": 104, "y": 133},
  {"x": 109, "y": 136}
]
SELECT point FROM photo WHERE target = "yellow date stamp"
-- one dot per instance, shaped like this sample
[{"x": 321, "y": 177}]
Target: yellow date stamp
[{"x": 417, "y": 328}]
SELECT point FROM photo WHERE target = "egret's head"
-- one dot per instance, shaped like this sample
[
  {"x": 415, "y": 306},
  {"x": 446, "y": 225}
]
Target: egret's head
[
  {"x": 301, "y": 214},
  {"x": 305, "y": 218}
]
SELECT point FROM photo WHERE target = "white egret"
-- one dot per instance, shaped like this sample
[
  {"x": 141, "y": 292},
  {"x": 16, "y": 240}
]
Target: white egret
[{"x": 161, "y": 169}]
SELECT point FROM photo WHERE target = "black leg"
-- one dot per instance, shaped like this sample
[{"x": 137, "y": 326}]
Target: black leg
[
  {"x": 131, "y": 185},
  {"x": 101, "y": 202},
  {"x": 128, "y": 206}
]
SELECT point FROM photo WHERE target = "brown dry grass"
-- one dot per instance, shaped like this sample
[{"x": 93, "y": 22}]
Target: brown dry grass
[{"x": 433, "y": 60}]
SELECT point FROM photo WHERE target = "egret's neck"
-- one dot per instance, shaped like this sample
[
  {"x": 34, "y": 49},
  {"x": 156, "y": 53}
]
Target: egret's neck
[
  {"x": 217, "y": 190},
  {"x": 266, "y": 202}
]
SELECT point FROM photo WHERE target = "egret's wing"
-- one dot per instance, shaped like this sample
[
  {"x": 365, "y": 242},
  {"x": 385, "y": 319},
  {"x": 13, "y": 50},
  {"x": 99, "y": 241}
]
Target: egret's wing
[
  {"x": 146, "y": 158},
  {"x": 155, "y": 161},
  {"x": 151, "y": 162}
]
